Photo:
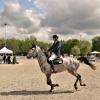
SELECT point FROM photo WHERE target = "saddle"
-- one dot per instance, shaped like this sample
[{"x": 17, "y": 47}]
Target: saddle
[{"x": 58, "y": 61}]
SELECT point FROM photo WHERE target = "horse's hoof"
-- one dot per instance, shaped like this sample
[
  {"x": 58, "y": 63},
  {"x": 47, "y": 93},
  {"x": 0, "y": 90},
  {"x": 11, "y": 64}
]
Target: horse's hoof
[
  {"x": 50, "y": 91},
  {"x": 84, "y": 85},
  {"x": 57, "y": 85},
  {"x": 52, "y": 87}
]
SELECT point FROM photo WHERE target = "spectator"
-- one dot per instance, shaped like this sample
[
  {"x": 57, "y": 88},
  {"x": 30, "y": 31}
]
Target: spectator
[
  {"x": 14, "y": 60},
  {"x": 9, "y": 59},
  {"x": 4, "y": 58}
]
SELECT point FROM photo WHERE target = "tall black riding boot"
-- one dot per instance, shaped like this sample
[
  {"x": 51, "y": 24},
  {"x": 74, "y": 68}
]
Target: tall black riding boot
[{"x": 52, "y": 66}]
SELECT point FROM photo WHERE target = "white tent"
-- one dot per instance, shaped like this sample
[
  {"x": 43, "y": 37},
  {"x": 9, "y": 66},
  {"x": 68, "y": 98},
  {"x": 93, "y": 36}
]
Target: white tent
[
  {"x": 95, "y": 52},
  {"x": 4, "y": 50}
]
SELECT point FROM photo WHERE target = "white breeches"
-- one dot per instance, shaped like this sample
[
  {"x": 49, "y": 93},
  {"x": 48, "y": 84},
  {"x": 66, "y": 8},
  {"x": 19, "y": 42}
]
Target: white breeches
[{"x": 52, "y": 57}]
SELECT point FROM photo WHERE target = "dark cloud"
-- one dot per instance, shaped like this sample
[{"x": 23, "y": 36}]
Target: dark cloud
[
  {"x": 63, "y": 17},
  {"x": 71, "y": 16}
]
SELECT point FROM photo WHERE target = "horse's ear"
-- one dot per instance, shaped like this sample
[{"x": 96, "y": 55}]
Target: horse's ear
[{"x": 33, "y": 46}]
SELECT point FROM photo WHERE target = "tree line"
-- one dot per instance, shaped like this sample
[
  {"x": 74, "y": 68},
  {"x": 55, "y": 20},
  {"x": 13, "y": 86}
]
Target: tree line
[{"x": 73, "y": 46}]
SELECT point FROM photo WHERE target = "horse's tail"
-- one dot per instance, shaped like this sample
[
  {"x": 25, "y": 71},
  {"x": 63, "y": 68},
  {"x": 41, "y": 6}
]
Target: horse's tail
[{"x": 87, "y": 62}]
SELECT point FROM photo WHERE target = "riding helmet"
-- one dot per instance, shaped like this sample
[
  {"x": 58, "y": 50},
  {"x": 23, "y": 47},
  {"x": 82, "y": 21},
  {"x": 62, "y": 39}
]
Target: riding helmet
[{"x": 55, "y": 36}]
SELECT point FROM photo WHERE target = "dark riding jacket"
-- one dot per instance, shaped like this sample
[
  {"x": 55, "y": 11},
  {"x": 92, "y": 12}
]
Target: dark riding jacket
[{"x": 55, "y": 48}]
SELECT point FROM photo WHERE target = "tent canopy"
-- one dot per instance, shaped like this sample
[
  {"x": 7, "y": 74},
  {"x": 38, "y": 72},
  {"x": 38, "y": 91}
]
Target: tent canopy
[
  {"x": 95, "y": 52},
  {"x": 4, "y": 50}
]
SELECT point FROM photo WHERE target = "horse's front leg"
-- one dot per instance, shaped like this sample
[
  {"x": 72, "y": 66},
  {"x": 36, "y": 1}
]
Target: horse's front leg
[{"x": 49, "y": 82}]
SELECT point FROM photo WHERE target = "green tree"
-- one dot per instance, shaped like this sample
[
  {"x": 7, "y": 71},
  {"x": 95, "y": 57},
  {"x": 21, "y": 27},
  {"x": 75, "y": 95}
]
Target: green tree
[
  {"x": 71, "y": 46},
  {"x": 12, "y": 44},
  {"x": 68, "y": 45},
  {"x": 96, "y": 43},
  {"x": 85, "y": 47},
  {"x": 75, "y": 50},
  {"x": 2, "y": 43}
]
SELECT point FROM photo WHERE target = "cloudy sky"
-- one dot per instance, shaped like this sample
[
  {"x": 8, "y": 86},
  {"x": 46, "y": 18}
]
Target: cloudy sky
[{"x": 43, "y": 18}]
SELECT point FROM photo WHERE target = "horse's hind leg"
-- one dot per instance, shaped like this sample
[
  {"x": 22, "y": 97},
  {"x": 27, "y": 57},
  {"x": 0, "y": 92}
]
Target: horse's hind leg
[
  {"x": 74, "y": 73},
  {"x": 80, "y": 80},
  {"x": 49, "y": 82}
]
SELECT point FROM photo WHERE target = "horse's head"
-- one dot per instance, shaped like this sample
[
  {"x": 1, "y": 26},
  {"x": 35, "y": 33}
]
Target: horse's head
[{"x": 32, "y": 52}]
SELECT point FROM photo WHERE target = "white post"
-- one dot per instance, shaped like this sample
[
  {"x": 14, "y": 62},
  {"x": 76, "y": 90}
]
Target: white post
[{"x": 5, "y": 33}]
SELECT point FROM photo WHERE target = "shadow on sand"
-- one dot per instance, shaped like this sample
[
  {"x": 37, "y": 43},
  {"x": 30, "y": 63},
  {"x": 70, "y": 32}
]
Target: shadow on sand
[{"x": 25, "y": 92}]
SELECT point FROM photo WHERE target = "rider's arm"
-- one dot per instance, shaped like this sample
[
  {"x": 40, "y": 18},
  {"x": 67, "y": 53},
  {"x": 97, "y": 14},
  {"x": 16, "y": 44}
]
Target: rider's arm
[{"x": 51, "y": 48}]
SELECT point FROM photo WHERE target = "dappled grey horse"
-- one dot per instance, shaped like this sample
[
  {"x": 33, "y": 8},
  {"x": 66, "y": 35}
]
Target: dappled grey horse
[{"x": 70, "y": 64}]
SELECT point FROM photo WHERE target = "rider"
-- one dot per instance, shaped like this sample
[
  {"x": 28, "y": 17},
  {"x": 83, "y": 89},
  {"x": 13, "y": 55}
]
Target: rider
[{"x": 54, "y": 51}]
